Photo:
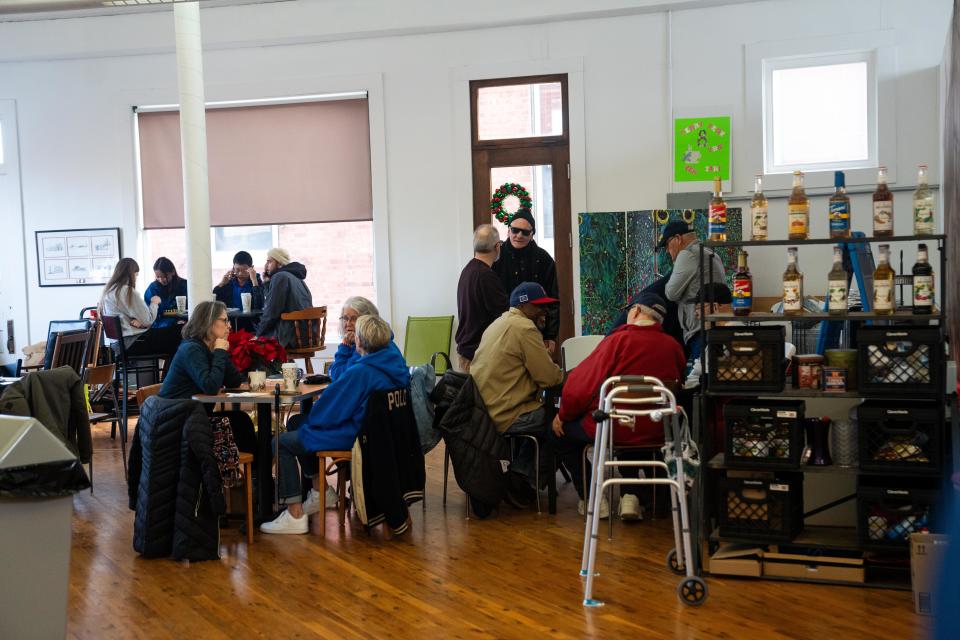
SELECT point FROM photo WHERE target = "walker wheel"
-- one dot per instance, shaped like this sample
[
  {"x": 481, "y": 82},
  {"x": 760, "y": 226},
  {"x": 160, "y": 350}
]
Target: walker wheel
[
  {"x": 673, "y": 563},
  {"x": 692, "y": 591}
]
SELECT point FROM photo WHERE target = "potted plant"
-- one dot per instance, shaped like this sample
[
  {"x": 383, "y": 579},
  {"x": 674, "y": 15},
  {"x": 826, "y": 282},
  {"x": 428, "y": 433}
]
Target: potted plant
[{"x": 250, "y": 353}]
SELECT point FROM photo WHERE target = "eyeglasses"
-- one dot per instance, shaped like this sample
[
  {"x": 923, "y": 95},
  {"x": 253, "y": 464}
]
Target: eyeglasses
[
  {"x": 224, "y": 319},
  {"x": 348, "y": 318},
  {"x": 526, "y": 233}
]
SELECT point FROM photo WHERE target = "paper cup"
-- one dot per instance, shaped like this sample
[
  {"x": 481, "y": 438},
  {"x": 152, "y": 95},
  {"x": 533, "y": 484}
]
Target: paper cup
[
  {"x": 246, "y": 299},
  {"x": 289, "y": 376},
  {"x": 181, "y": 304},
  {"x": 258, "y": 380}
]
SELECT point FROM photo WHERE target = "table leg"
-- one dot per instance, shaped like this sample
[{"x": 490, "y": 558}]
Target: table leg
[{"x": 264, "y": 463}]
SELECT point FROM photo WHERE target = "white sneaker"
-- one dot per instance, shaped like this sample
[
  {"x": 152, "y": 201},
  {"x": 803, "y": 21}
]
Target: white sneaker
[
  {"x": 630, "y": 508},
  {"x": 604, "y": 508},
  {"x": 286, "y": 523},
  {"x": 332, "y": 498},
  {"x": 312, "y": 504}
]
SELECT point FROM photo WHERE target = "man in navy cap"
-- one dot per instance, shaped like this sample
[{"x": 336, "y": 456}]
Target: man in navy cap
[
  {"x": 681, "y": 242},
  {"x": 640, "y": 347},
  {"x": 512, "y": 365}
]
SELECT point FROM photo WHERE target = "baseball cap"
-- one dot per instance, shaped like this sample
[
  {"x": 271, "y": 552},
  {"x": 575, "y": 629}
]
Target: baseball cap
[
  {"x": 653, "y": 301},
  {"x": 529, "y": 293},
  {"x": 673, "y": 228}
]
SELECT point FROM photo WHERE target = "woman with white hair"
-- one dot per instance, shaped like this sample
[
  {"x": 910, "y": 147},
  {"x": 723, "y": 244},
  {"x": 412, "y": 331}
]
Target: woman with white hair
[{"x": 347, "y": 354}]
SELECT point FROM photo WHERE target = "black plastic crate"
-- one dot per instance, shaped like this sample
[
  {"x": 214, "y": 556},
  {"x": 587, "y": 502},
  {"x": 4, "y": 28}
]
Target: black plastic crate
[
  {"x": 766, "y": 433},
  {"x": 886, "y": 516},
  {"x": 745, "y": 359},
  {"x": 900, "y": 436},
  {"x": 761, "y": 510},
  {"x": 900, "y": 360}
]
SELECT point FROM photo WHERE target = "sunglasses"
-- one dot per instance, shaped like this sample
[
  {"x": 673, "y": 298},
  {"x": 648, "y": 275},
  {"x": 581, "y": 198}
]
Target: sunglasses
[{"x": 526, "y": 233}]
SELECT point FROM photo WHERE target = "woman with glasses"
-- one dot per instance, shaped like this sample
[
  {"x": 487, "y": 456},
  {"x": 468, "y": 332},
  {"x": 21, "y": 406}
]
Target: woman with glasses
[
  {"x": 521, "y": 260},
  {"x": 202, "y": 364},
  {"x": 347, "y": 354}
]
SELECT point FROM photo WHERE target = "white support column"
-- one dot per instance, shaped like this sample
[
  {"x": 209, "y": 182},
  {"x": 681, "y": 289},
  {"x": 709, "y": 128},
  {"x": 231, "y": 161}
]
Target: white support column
[{"x": 193, "y": 145}]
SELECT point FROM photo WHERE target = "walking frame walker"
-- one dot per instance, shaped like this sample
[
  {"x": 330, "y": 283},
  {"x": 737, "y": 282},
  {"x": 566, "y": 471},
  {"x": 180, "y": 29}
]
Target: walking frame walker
[{"x": 659, "y": 404}]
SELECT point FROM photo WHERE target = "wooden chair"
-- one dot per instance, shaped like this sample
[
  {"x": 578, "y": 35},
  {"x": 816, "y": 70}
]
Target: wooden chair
[
  {"x": 310, "y": 327},
  {"x": 70, "y": 350},
  {"x": 341, "y": 471},
  {"x": 246, "y": 461},
  {"x": 145, "y": 392},
  {"x": 99, "y": 379}
]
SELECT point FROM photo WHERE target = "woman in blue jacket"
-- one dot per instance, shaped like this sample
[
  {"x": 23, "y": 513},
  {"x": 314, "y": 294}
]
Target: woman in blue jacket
[
  {"x": 167, "y": 287},
  {"x": 334, "y": 422}
]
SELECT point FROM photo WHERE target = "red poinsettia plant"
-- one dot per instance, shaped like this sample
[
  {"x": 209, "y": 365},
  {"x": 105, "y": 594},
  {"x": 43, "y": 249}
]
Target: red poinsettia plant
[{"x": 250, "y": 353}]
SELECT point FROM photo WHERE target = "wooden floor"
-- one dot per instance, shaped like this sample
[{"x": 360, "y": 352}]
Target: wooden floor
[{"x": 514, "y": 576}]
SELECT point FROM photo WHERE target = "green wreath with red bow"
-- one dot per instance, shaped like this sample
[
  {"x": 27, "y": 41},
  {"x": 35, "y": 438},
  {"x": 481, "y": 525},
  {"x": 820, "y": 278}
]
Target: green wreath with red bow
[{"x": 509, "y": 189}]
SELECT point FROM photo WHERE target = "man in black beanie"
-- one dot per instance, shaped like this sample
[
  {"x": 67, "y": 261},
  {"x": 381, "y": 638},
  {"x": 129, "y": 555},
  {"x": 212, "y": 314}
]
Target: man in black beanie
[{"x": 521, "y": 260}]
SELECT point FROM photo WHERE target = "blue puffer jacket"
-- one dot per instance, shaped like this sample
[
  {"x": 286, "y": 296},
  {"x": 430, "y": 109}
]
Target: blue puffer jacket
[{"x": 336, "y": 417}]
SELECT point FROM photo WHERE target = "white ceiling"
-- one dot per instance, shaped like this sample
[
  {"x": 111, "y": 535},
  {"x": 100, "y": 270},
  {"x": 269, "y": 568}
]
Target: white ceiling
[{"x": 20, "y": 10}]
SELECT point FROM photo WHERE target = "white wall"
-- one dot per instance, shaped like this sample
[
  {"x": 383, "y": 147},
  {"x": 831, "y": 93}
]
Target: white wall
[{"x": 74, "y": 82}]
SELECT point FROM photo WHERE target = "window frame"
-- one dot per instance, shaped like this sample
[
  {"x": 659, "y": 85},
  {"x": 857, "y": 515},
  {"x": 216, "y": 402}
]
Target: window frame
[
  {"x": 772, "y": 64},
  {"x": 530, "y": 141}
]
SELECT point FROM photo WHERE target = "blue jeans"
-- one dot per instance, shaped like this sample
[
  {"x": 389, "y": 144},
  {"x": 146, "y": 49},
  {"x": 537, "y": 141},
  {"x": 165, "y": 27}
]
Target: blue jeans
[{"x": 294, "y": 460}]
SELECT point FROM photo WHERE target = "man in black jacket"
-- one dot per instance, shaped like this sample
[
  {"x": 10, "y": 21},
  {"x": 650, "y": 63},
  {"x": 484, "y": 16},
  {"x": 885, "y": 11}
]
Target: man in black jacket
[
  {"x": 286, "y": 291},
  {"x": 521, "y": 260},
  {"x": 481, "y": 298}
]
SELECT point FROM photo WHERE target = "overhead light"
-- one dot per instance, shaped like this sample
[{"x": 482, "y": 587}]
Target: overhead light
[{"x": 131, "y": 3}]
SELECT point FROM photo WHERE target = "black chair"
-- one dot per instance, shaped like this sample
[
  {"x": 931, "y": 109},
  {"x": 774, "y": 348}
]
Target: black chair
[
  {"x": 127, "y": 366},
  {"x": 10, "y": 365},
  {"x": 57, "y": 326}
]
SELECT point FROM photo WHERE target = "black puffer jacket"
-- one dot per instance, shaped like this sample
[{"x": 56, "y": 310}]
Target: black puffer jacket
[
  {"x": 480, "y": 456},
  {"x": 171, "y": 458}
]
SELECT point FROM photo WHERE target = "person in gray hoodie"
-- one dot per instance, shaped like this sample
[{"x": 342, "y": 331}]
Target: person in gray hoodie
[
  {"x": 286, "y": 291},
  {"x": 685, "y": 281}
]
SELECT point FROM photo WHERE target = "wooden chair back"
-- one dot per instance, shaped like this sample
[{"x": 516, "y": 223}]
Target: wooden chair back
[
  {"x": 96, "y": 339},
  {"x": 145, "y": 392},
  {"x": 310, "y": 328},
  {"x": 70, "y": 349}
]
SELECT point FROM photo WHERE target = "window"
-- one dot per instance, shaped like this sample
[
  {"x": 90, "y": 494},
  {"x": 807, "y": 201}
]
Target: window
[
  {"x": 520, "y": 111},
  {"x": 1, "y": 143},
  {"x": 820, "y": 112}
]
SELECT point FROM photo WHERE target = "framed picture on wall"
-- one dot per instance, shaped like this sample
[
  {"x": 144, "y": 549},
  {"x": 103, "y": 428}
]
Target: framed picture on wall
[{"x": 77, "y": 257}]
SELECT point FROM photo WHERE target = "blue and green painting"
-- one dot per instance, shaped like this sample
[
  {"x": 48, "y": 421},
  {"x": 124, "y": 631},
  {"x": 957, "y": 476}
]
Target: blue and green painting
[{"x": 618, "y": 257}]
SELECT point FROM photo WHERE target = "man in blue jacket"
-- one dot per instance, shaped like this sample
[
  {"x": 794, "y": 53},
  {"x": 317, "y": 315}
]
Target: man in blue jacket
[{"x": 334, "y": 422}]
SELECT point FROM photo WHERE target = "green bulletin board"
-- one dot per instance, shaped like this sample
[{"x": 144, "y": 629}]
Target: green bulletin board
[{"x": 701, "y": 148}]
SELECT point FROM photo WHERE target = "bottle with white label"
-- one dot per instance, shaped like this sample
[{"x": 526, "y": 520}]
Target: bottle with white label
[
  {"x": 922, "y": 205},
  {"x": 922, "y": 283},
  {"x": 837, "y": 285},
  {"x": 882, "y": 207},
  {"x": 792, "y": 285},
  {"x": 883, "y": 277},
  {"x": 758, "y": 210}
]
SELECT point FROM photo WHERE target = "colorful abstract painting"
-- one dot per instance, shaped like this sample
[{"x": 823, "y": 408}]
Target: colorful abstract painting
[{"x": 618, "y": 257}]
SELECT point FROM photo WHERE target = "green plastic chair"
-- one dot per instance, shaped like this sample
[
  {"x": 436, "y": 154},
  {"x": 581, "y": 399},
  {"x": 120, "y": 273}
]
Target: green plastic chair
[{"x": 425, "y": 336}]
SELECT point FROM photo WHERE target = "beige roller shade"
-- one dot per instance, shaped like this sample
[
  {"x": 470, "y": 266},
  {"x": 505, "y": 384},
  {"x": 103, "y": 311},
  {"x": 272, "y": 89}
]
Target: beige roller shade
[{"x": 276, "y": 164}]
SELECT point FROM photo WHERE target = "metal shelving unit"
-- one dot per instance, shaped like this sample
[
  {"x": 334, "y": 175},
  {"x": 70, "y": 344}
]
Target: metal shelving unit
[{"x": 820, "y": 539}]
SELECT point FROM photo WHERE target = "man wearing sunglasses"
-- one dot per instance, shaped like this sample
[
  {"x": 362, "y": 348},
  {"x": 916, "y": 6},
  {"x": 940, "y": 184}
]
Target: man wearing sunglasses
[{"x": 521, "y": 260}]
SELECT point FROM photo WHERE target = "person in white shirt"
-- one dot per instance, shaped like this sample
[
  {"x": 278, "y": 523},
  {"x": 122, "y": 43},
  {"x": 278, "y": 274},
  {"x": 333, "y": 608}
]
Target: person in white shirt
[{"x": 120, "y": 298}]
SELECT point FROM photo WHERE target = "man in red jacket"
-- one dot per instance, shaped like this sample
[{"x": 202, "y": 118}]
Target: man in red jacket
[{"x": 639, "y": 347}]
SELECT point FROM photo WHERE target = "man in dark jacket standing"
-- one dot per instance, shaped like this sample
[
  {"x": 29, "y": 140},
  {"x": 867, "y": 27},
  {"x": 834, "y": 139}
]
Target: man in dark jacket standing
[
  {"x": 286, "y": 291},
  {"x": 481, "y": 298},
  {"x": 521, "y": 260}
]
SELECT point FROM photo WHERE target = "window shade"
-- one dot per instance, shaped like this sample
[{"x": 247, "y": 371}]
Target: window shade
[{"x": 277, "y": 164}]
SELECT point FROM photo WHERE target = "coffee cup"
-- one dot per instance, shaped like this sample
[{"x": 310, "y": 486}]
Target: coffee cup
[
  {"x": 258, "y": 380},
  {"x": 289, "y": 376},
  {"x": 246, "y": 300},
  {"x": 181, "y": 304}
]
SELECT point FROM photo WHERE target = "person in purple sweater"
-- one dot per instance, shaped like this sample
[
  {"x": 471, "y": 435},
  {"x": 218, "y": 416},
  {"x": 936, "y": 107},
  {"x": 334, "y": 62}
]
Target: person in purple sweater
[{"x": 481, "y": 298}]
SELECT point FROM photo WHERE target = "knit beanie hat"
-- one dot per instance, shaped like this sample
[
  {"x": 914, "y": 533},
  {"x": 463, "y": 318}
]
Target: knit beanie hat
[
  {"x": 280, "y": 255},
  {"x": 524, "y": 214}
]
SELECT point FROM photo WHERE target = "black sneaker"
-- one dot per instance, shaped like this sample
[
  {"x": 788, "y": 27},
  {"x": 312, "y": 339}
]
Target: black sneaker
[
  {"x": 480, "y": 509},
  {"x": 520, "y": 494}
]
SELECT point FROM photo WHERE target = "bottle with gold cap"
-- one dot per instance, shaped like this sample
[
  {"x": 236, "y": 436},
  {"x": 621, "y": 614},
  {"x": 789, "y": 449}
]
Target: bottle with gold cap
[
  {"x": 883, "y": 277},
  {"x": 758, "y": 210},
  {"x": 717, "y": 222}
]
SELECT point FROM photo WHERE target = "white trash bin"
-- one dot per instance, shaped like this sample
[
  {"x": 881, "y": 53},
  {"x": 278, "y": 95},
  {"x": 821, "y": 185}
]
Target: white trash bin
[{"x": 38, "y": 477}]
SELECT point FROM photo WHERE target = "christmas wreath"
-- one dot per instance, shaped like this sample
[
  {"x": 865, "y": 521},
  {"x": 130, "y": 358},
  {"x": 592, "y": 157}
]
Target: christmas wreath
[{"x": 509, "y": 189}]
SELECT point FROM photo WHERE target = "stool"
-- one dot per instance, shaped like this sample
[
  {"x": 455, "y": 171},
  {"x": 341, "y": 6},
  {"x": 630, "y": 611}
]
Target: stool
[
  {"x": 336, "y": 457},
  {"x": 246, "y": 461}
]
